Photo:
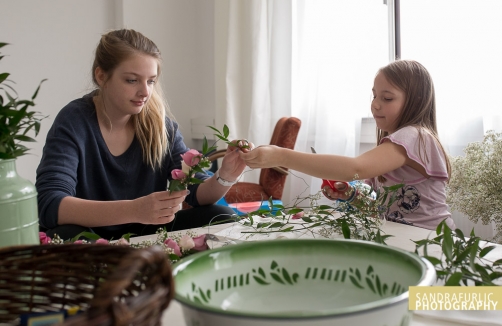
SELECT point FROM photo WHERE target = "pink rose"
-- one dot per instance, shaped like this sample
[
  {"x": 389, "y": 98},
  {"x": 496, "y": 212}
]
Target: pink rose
[
  {"x": 200, "y": 243},
  {"x": 102, "y": 241},
  {"x": 170, "y": 243},
  {"x": 79, "y": 242},
  {"x": 186, "y": 242},
  {"x": 192, "y": 157},
  {"x": 297, "y": 216},
  {"x": 177, "y": 174},
  {"x": 44, "y": 239},
  {"x": 122, "y": 242}
]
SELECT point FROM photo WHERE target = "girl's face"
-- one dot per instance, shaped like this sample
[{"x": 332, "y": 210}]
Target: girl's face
[
  {"x": 130, "y": 85},
  {"x": 387, "y": 104}
]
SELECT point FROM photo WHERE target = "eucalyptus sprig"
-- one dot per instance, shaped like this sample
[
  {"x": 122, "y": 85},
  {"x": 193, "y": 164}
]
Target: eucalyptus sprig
[
  {"x": 358, "y": 220},
  {"x": 462, "y": 260},
  {"x": 223, "y": 136}
]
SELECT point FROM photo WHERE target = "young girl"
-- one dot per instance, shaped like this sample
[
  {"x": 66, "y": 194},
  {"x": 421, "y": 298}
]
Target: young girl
[
  {"x": 109, "y": 155},
  {"x": 408, "y": 150}
]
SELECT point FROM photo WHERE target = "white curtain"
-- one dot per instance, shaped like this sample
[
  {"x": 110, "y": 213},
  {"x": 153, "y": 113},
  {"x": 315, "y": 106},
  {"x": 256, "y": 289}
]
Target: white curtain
[
  {"x": 333, "y": 74},
  {"x": 253, "y": 71},
  {"x": 298, "y": 58}
]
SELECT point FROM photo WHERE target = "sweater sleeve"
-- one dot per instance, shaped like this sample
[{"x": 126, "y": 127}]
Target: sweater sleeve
[{"x": 57, "y": 171}]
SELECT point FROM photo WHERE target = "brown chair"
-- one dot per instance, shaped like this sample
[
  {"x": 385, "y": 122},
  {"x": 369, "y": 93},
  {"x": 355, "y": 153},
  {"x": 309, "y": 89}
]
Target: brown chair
[{"x": 272, "y": 180}]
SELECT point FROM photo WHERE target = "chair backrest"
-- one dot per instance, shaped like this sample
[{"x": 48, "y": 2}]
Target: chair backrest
[{"x": 284, "y": 135}]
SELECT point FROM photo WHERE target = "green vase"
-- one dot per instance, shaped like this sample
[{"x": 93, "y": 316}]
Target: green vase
[{"x": 18, "y": 207}]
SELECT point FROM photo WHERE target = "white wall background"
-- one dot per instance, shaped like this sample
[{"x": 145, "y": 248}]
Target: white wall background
[{"x": 55, "y": 39}]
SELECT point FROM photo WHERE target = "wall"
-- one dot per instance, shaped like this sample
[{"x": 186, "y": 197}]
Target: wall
[{"x": 55, "y": 39}]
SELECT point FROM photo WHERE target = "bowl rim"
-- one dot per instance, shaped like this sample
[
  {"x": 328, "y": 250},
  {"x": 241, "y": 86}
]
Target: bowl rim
[{"x": 427, "y": 279}]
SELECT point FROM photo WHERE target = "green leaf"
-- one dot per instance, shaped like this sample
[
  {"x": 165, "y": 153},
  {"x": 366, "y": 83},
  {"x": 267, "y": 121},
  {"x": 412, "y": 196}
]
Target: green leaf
[
  {"x": 176, "y": 185},
  {"x": 24, "y": 138},
  {"x": 345, "y": 229},
  {"x": 486, "y": 250},
  {"x": 474, "y": 251},
  {"x": 498, "y": 262},
  {"x": 447, "y": 245},
  {"x": 204, "y": 146},
  {"x": 2, "y": 44},
  {"x": 434, "y": 261},
  {"x": 276, "y": 225},
  {"x": 88, "y": 235},
  {"x": 226, "y": 132},
  {"x": 459, "y": 234},
  {"x": 454, "y": 279},
  {"x": 3, "y": 76}
]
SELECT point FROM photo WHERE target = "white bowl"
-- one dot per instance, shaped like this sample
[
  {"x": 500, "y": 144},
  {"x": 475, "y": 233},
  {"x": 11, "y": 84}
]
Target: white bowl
[{"x": 300, "y": 282}]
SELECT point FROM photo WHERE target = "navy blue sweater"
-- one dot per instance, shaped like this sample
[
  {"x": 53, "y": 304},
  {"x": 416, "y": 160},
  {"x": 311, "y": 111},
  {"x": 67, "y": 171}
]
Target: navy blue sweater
[{"x": 76, "y": 162}]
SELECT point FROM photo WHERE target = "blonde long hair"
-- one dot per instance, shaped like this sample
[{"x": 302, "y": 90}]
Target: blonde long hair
[
  {"x": 420, "y": 103},
  {"x": 149, "y": 125}
]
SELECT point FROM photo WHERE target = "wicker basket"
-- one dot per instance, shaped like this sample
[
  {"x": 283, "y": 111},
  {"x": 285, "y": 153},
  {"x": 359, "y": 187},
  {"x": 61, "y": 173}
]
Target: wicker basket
[{"x": 112, "y": 284}]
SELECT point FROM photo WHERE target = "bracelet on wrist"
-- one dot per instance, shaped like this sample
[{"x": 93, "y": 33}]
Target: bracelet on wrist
[
  {"x": 222, "y": 181},
  {"x": 353, "y": 196}
]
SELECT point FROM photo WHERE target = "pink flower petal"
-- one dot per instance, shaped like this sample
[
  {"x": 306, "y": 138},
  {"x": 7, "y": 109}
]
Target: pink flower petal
[
  {"x": 186, "y": 242},
  {"x": 102, "y": 241},
  {"x": 177, "y": 174},
  {"x": 170, "y": 243},
  {"x": 200, "y": 243},
  {"x": 191, "y": 157},
  {"x": 297, "y": 216},
  {"x": 44, "y": 239}
]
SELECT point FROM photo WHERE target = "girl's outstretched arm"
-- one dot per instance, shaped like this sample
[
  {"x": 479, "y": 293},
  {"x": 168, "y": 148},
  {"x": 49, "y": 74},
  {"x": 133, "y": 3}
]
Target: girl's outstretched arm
[{"x": 382, "y": 159}]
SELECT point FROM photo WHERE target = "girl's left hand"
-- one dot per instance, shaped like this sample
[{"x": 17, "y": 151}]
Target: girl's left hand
[{"x": 232, "y": 165}]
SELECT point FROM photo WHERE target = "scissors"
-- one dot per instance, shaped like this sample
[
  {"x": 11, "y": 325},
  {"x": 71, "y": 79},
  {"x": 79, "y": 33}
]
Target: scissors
[{"x": 331, "y": 183}]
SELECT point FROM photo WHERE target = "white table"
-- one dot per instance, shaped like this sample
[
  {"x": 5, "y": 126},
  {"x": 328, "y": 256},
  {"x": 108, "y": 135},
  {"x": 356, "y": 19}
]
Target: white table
[{"x": 403, "y": 236}]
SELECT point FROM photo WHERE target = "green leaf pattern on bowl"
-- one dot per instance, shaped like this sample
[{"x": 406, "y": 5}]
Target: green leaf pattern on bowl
[{"x": 282, "y": 276}]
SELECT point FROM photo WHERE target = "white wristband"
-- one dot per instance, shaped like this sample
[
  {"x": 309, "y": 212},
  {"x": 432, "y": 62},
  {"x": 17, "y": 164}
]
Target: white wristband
[{"x": 222, "y": 181}]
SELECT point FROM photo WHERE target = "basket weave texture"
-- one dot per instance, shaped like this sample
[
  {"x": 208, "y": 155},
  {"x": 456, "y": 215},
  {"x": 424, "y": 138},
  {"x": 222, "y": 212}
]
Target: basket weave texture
[{"x": 112, "y": 284}]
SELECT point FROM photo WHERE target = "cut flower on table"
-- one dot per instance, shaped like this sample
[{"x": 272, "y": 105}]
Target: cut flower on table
[{"x": 176, "y": 244}]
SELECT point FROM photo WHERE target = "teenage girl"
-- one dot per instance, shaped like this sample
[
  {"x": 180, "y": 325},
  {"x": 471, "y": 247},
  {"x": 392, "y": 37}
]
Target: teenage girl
[{"x": 109, "y": 155}]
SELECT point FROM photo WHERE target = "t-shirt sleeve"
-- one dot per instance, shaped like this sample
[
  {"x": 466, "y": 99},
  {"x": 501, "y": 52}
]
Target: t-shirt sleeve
[{"x": 427, "y": 153}]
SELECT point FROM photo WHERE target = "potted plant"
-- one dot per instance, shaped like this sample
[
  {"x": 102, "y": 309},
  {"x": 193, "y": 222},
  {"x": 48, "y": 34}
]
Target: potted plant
[{"x": 18, "y": 197}]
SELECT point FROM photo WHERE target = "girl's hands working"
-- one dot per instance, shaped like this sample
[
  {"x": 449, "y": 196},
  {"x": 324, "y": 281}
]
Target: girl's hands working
[
  {"x": 265, "y": 156},
  {"x": 233, "y": 165},
  {"x": 158, "y": 207},
  {"x": 342, "y": 193}
]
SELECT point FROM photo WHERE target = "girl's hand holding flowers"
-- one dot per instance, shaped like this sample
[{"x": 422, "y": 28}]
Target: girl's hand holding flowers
[{"x": 232, "y": 165}]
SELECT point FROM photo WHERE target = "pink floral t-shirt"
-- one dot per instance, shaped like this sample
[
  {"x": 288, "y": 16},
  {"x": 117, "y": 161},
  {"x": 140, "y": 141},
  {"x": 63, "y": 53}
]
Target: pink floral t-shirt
[{"x": 421, "y": 201}]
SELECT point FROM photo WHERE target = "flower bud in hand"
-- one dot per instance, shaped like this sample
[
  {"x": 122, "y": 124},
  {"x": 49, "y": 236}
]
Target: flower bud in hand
[
  {"x": 178, "y": 174},
  {"x": 200, "y": 243},
  {"x": 192, "y": 157}
]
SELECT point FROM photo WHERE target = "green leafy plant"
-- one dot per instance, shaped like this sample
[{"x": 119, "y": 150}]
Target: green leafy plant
[
  {"x": 16, "y": 121},
  {"x": 462, "y": 260}
]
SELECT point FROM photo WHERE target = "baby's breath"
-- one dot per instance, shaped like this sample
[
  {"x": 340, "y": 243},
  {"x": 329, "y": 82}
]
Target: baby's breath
[{"x": 475, "y": 186}]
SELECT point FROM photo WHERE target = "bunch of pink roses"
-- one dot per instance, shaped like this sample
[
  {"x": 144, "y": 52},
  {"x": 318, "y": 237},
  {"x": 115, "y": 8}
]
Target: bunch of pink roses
[{"x": 192, "y": 162}]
